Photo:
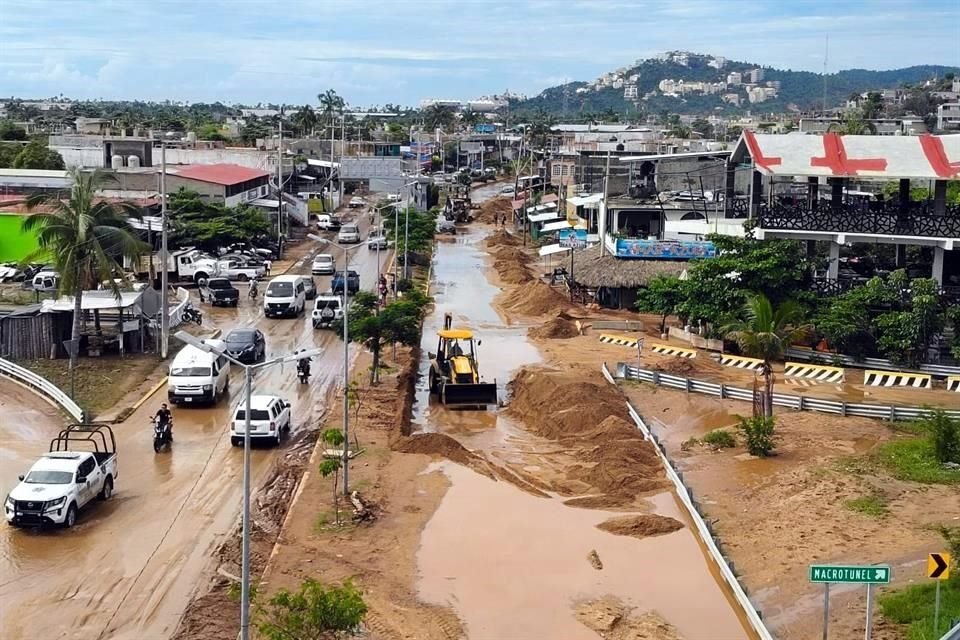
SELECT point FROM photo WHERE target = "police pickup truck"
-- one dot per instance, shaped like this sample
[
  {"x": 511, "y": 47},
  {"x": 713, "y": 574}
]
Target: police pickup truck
[{"x": 80, "y": 466}]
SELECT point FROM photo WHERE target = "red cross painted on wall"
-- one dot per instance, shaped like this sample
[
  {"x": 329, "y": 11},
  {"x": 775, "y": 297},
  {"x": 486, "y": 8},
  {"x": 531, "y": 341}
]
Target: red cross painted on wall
[
  {"x": 835, "y": 158},
  {"x": 937, "y": 157},
  {"x": 761, "y": 161}
]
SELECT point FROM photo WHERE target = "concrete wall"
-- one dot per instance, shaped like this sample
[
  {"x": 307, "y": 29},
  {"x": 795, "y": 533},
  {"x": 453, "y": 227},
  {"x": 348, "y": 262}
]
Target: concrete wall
[
  {"x": 366, "y": 167},
  {"x": 83, "y": 155}
]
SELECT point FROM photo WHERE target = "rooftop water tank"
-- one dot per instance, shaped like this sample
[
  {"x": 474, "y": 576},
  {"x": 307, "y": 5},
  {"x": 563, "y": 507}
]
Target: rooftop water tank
[
  {"x": 116, "y": 161},
  {"x": 191, "y": 136},
  {"x": 133, "y": 161}
]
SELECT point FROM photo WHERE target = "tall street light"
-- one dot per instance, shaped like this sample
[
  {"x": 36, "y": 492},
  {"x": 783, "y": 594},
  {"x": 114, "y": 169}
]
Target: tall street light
[
  {"x": 346, "y": 353},
  {"x": 381, "y": 230},
  {"x": 248, "y": 371},
  {"x": 406, "y": 237}
]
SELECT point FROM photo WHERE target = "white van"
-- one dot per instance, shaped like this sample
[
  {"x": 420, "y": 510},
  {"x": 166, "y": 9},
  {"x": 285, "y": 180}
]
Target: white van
[
  {"x": 285, "y": 296},
  {"x": 198, "y": 376},
  {"x": 269, "y": 420}
]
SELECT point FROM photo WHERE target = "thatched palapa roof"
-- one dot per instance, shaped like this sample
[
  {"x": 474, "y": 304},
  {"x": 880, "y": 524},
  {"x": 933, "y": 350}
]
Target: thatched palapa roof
[{"x": 593, "y": 270}]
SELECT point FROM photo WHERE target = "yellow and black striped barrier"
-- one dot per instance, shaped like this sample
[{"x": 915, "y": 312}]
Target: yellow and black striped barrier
[
  {"x": 817, "y": 372},
  {"x": 669, "y": 350},
  {"x": 741, "y": 362},
  {"x": 876, "y": 378},
  {"x": 953, "y": 383},
  {"x": 623, "y": 341}
]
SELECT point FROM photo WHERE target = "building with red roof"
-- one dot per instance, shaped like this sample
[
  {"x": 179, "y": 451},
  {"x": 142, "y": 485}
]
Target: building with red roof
[{"x": 233, "y": 184}]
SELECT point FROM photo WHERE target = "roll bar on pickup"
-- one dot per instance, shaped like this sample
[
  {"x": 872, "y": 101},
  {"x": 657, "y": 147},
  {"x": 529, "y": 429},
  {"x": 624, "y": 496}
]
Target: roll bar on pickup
[{"x": 97, "y": 436}]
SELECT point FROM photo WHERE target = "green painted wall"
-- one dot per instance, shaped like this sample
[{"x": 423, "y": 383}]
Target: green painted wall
[{"x": 15, "y": 245}]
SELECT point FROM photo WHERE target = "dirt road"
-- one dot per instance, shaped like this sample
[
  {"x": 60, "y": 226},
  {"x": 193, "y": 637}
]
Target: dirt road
[
  {"x": 484, "y": 530},
  {"x": 127, "y": 570}
]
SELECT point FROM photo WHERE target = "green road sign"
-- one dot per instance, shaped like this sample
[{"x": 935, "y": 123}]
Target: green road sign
[{"x": 867, "y": 574}]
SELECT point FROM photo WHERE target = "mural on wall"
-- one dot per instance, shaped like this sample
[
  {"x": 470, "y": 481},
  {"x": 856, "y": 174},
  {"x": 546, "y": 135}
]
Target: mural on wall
[{"x": 664, "y": 250}]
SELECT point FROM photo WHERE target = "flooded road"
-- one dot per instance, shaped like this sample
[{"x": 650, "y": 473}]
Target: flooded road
[
  {"x": 513, "y": 565},
  {"x": 129, "y": 567}
]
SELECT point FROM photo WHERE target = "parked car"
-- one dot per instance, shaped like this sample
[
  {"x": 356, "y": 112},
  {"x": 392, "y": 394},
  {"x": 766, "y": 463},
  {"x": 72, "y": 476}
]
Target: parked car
[
  {"x": 81, "y": 465},
  {"x": 327, "y": 222},
  {"x": 377, "y": 240},
  {"x": 353, "y": 282},
  {"x": 269, "y": 420},
  {"x": 508, "y": 190},
  {"x": 327, "y": 309},
  {"x": 357, "y": 202},
  {"x": 349, "y": 234},
  {"x": 246, "y": 345},
  {"x": 323, "y": 264},
  {"x": 447, "y": 226},
  {"x": 285, "y": 295},
  {"x": 310, "y": 287},
  {"x": 236, "y": 270},
  {"x": 222, "y": 292}
]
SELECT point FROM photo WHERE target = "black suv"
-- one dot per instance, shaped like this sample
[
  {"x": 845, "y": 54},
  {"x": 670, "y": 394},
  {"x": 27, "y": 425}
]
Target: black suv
[{"x": 222, "y": 292}]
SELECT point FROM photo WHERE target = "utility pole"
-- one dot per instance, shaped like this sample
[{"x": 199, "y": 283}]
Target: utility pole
[
  {"x": 346, "y": 371},
  {"x": 280, "y": 186},
  {"x": 164, "y": 256},
  {"x": 602, "y": 225}
]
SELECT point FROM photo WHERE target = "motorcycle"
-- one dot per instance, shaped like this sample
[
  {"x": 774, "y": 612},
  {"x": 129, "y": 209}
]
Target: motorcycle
[
  {"x": 191, "y": 314},
  {"x": 162, "y": 435},
  {"x": 252, "y": 293},
  {"x": 303, "y": 373}
]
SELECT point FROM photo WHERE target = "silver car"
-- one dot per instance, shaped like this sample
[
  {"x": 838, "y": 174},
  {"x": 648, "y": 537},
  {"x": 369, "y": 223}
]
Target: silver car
[{"x": 349, "y": 234}]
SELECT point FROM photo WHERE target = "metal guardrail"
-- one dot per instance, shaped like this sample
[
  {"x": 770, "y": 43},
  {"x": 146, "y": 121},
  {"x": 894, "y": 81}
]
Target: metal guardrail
[
  {"x": 41, "y": 385},
  {"x": 685, "y": 495},
  {"x": 867, "y": 363},
  {"x": 621, "y": 325},
  {"x": 176, "y": 313},
  {"x": 799, "y": 403},
  {"x": 953, "y": 634}
]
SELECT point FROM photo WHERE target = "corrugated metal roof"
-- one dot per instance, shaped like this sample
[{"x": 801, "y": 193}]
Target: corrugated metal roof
[
  {"x": 831, "y": 155},
  {"x": 224, "y": 174}
]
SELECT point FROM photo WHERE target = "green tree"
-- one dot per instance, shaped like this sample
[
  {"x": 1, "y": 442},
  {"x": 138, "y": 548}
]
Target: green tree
[
  {"x": 758, "y": 431},
  {"x": 195, "y": 222},
  {"x": 853, "y": 124},
  {"x": 35, "y": 155},
  {"x": 305, "y": 120},
  {"x": 945, "y": 434},
  {"x": 662, "y": 296},
  {"x": 87, "y": 238},
  {"x": 397, "y": 322},
  {"x": 211, "y": 131},
  {"x": 905, "y": 334},
  {"x": 11, "y": 131},
  {"x": 8, "y": 151},
  {"x": 314, "y": 612},
  {"x": 702, "y": 127},
  {"x": 438, "y": 116},
  {"x": 331, "y": 467},
  {"x": 765, "y": 334}
]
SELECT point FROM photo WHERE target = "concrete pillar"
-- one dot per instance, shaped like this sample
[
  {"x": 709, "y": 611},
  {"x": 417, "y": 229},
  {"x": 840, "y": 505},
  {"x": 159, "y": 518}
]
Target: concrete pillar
[
  {"x": 833, "y": 269},
  {"x": 901, "y": 255},
  {"x": 811, "y": 248},
  {"x": 937, "y": 271},
  {"x": 836, "y": 193},
  {"x": 756, "y": 193},
  {"x": 813, "y": 191},
  {"x": 905, "y": 193},
  {"x": 939, "y": 197}
]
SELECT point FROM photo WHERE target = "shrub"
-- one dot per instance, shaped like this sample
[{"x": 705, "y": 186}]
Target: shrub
[
  {"x": 945, "y": 434},
  {"x": 759, "y": 434},
  {"x": 314, "y": 611},
  {"x": 871, "y": 505},
  {"x": 721, "y": 439}
]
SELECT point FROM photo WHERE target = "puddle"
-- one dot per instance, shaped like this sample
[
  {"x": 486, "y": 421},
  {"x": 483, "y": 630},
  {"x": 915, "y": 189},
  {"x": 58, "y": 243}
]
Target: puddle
[{"x": 513, "y": 565}]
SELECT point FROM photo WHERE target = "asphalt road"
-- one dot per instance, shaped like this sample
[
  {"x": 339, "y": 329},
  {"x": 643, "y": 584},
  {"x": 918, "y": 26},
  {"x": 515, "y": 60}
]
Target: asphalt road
[{"x": 129, "y": 567}]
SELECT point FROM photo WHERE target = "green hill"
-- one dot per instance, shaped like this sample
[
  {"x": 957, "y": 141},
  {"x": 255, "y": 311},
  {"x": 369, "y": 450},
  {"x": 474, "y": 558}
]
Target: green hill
[{"x": 799, "y": 90}]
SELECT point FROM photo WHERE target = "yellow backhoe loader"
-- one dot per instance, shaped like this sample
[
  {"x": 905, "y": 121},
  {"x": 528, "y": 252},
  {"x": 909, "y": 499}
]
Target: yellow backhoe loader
[{"x": 454, "y": 376}]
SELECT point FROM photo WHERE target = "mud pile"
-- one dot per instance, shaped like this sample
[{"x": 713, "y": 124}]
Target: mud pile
[
  {"x": 557, "y": 328},
  {"x": 676, "y": 366},
  {"x": 611, "y": 619},
  {"x": 539, "y": 299},
  {"x": 440, "y": 444},
  {"x": 640, "y": 526},
  {"x": 582, "y": 411},
  {"x": 492, "y": 209},
  {"x": 502, "y": 238},
  {"x": 510, "y": 263},
  {"x": 599, "y": 502}
]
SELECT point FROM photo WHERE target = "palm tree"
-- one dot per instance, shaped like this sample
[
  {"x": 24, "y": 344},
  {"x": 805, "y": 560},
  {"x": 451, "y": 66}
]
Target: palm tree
[
  {"x": 332, "y": 104},
  {"x": 853, "y": 124},
  {"x": 765, "y": 334},
  {"x": 86, "y": 238},
  {"x": 305, "y": 119}
]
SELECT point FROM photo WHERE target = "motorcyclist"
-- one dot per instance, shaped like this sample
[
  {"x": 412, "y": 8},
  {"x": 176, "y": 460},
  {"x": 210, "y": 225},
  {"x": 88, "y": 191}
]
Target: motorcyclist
[
  {"x": 303, "y": 366},
  {"x": 165, "y": 418},
  {"x": 253, "y": 289}
]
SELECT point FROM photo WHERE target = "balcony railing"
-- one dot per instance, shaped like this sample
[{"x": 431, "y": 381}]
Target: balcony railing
[{"x": 886, "y": 218}]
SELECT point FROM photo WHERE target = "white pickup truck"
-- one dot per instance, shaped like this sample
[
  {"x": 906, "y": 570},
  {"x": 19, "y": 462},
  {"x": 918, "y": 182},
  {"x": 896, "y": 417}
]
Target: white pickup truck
[
  {"x": 236, "y": 270},
  {"x": 66, "y": 479}
]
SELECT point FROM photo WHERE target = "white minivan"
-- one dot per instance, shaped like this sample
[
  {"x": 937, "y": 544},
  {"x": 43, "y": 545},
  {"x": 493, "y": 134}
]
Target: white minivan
[
  {"x": 197, "y": 376},
  {"x": 285, "y": 296},
  {"x": 269, "y": 420}
]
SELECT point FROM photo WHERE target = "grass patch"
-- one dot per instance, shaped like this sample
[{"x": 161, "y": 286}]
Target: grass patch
[
  {"x": 914, "y": 459},
  {"x": 326, "y": 522},
  {"x": 720, "y": 438},
  {"x": 873, "y": 505},
  {"x": 913, "y": 606}
]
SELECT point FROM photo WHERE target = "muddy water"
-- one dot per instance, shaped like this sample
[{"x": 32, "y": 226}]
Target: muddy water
[
  {"x": 513, "y": 565},
  {"x": 129, "y": 567}
]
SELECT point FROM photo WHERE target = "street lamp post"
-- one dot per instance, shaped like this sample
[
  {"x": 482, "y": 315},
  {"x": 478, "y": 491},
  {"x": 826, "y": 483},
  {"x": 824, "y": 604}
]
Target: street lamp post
[
  {"x": 248, "y": 371},
  {"x": 346, "y": 355}
]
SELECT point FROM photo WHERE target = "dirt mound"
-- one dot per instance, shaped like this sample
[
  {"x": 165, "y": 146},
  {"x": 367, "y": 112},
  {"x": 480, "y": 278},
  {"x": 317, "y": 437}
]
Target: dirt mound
[
  {"x": 677, "y": 366},
  {"x": 511, "y": 253},
  {"x": 502, "y": 238},
  {"x": 512, "y": 272},
  {"x": 493, "y": 208},
  {"x": 599, "y": 502},
  {"x": 611, "y": 619},
  {"x": 538, "y": 299},
  {"x": 556, "y": 328},
  {"x": 640, "y": 526},
  {"x": 439, "y": 444}
]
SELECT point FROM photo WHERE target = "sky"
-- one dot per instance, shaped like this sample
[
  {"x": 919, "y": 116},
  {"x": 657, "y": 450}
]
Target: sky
[{"x": 402, "y": 51}]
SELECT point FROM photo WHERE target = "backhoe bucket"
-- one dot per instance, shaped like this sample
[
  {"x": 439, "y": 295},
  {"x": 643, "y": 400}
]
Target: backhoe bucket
[{"x": 469, "y": 394}]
